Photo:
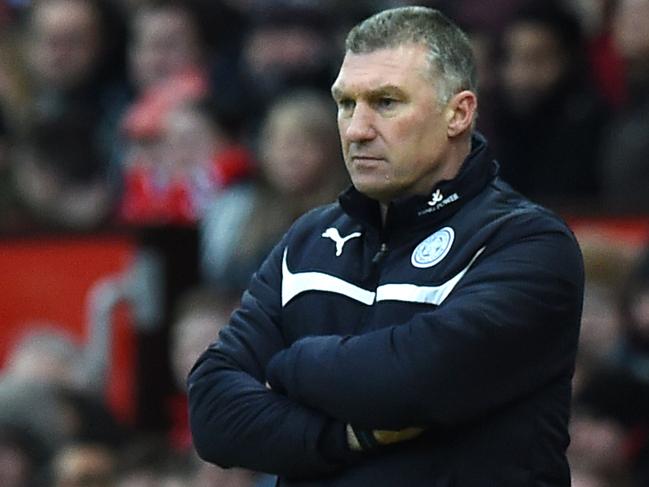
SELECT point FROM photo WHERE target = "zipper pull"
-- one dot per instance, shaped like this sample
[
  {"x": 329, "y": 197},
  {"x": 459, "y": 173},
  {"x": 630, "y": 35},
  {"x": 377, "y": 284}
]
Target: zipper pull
[{"x": 378, "y": 257}]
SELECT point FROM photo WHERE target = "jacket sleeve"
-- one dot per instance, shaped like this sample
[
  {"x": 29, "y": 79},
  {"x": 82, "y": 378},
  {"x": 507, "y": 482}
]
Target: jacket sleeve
[
  {"x": 509, "y": 327},
  {"x": 235, "y": 419}
]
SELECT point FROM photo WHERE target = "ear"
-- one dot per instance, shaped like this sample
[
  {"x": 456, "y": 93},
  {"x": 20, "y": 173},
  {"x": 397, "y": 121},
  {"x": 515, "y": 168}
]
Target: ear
[{"x": 461, "y": 112}]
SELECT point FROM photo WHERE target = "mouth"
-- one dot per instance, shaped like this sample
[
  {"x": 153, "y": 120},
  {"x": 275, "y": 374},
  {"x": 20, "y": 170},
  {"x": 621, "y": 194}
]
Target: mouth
[{"x": 361, "y": 158}]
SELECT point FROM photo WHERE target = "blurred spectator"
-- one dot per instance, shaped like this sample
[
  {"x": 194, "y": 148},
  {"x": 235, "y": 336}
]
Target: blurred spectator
[
  {"x": 36, "y": 367},
  {"x": 209, "y": 475},
  {"x": 199, "y": 316},
  {"x": 606, "y": 266},
  {"x": 176, "y": 52},
  {"x": 146, "y": 462},
  {"x": 84, "y": 464},
  {"x": 490, "y": 16},
  {"x": 484, "y": 47},
  {"x": 200, "y": 38},
  {"x": 14, "y": 79},
  {"x": 74, "y": 64},
  {"x": 45, "y": 354},
  {"x": 62, "y": 169},
  {"x": 172, "y": 171},
  {"x": 286, "y": 48},
  {"x": 633, "y": 351},
  {"x": 298, "y": 147},
  {"x": 610, "y": 427},
  {"x": 65, "y": 47},
  {"x": 597, "y": 447},
  {"x": 9, "y": 213},
  {"x": 165, "y": 42},
  {"x": 583, "y": 478},
  {"x": 165, "y": 67},
  {"x": 178, "y": 149},
  {"x": 549, "y": 121},
  {"x": 596, "y": 18},
  {"x": 43, "y": 390},
  {"x": 60, "y": 176},
  {"x": 625, "y": 167},
  {"x": 22, "y": 458},
  {"x": 641, "y": 473}
]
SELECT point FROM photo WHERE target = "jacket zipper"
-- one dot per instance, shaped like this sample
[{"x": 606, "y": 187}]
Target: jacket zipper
[
  {"x": 376, "y": 261},
  {"x": 380, "y": 254}
]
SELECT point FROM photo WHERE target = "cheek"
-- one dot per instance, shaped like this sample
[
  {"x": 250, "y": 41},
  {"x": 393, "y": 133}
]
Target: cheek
[
  {"x": 342, "y": 128},
  {"x": 413, "y": 137}
]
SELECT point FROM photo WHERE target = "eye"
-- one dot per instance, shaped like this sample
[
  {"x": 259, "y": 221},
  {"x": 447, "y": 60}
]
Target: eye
[
  {"x": 346, "y": 105},
  {"x": 386, "y": 103}
]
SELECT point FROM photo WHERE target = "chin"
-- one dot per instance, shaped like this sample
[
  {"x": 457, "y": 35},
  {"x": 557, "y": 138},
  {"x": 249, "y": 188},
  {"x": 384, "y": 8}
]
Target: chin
[{"x": 376, "y": 192}]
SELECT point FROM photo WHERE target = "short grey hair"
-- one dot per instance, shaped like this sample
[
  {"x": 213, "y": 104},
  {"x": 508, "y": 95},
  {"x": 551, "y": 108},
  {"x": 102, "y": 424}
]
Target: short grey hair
[{"x": 450, "y": 56}]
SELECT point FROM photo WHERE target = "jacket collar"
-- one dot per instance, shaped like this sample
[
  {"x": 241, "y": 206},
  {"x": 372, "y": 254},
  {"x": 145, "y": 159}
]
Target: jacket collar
[{"x": 447, "y": 197}]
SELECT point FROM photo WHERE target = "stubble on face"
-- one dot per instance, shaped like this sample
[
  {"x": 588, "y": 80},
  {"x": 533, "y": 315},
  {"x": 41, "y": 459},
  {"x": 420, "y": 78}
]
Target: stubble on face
[{"x": 392, "y": 127}]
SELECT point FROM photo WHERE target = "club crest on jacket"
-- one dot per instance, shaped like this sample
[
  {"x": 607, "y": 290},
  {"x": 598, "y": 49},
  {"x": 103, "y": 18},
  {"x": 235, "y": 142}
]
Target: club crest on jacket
[{"x": 433, "y": 249}]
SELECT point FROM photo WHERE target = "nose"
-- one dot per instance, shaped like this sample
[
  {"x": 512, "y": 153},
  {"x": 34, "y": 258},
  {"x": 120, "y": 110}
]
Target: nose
[{"x": 360, "y": 126}]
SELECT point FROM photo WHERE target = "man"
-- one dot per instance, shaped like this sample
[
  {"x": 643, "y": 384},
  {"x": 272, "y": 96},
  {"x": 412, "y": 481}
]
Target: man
[
  {"x": 550, "y": 119},
  {"x": 420, "y": 332}
]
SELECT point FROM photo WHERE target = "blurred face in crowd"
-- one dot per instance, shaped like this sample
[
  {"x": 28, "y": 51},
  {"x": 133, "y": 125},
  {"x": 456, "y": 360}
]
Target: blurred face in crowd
[
  {"x": 165, "y": 43},
  {"x": 630, "y": 29},
  {"x": 534, "y": 64},
  {"x": 84, "y": 466},
  {"x": 295, "y": 153},
  {"x": 140, "y": 479},
  {"x": 640, "y": 314},
  {"x": 597, "y": 443},
  {"x": 15, "y": 466},
  {"x": 395, "y": 132},
  {"x": 581, "y": 478},
  {"x": 190, "y": 139},
  {"x": 600, "y": 328},
  {"x": 209, "y": 475},
  {"x": 291, "y": 47},
  {"x": 46, "y": 358},
  {"x": 190, "y": 336},
  {"x": 65, "y": 42}
]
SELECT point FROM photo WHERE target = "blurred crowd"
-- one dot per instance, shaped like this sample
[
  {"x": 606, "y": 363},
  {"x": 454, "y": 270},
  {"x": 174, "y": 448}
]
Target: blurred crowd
[{"x": 215, "y": 115}]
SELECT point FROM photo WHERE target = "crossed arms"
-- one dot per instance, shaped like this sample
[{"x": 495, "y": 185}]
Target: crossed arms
[{"x": 508, "y": 328}]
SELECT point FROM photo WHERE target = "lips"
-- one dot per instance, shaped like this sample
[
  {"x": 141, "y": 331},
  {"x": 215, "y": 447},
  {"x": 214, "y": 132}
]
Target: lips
[{"x": 365, "y": 157}]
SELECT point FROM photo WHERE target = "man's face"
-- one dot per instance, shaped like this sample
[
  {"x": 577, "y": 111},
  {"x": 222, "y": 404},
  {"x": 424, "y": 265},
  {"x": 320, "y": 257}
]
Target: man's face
[
  {"x": 630, "y": 29},
  {"x": 165, "y": 44},
  {"x": 65, "y": 42},
  {"x": 534, "y": 65},
  {"x": 392, "y": 128}
]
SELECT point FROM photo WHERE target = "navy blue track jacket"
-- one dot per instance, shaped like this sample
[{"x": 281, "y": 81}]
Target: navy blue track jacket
[{"x": 459, "y": 315}]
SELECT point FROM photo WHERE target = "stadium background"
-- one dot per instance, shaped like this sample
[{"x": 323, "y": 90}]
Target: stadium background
[{"x": 151, "y": 152}]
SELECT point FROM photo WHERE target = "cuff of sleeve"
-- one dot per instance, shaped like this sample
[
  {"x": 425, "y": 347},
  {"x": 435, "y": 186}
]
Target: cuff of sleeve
[
  {"x": 334, "y": 445},
  {"x": 360, "y": 440}
]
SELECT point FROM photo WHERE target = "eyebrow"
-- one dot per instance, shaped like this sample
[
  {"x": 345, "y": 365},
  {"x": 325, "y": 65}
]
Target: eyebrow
[{"x": 381, "y": 90}]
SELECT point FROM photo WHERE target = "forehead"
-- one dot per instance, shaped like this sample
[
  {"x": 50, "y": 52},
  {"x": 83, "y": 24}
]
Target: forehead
[{"x": 404, "y": 67}]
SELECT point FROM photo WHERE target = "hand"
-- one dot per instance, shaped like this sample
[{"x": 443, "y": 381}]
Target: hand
[
  {"x": 364, "y": 440},
  {"x": 387, "y": 437}
]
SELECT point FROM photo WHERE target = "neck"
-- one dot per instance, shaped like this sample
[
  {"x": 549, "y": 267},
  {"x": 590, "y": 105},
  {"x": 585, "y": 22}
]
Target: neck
[
  {"x": 455, "y": 157},
  {"x": 457, "y": 154}
]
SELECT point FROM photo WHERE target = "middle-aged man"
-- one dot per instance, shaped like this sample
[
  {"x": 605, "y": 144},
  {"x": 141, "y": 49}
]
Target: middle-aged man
[{"x": 422, "y": 330}]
